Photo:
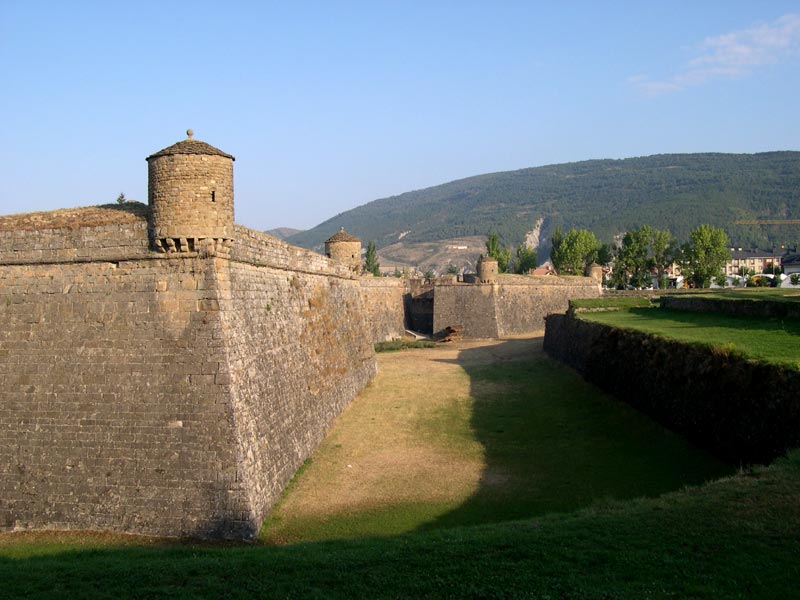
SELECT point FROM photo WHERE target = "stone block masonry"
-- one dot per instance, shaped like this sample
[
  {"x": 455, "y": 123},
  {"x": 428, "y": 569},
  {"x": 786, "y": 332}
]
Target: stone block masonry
[
  {"x": 383, "y": 299},
  {"x": 513, "y": 305},
  {"x": 169, "y": 396}
]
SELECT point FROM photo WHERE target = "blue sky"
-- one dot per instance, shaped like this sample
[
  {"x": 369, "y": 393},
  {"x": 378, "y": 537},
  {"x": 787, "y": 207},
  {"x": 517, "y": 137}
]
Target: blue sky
[{"x": 329, "y": 105}]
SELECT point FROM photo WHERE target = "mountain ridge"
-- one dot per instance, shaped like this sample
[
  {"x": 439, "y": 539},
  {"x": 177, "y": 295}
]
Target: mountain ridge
[{"x": 607, "y": 196}]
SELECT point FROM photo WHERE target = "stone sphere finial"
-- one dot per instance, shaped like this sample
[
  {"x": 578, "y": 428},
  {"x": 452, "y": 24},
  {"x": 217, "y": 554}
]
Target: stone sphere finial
[{"x": 189, "y": 133}]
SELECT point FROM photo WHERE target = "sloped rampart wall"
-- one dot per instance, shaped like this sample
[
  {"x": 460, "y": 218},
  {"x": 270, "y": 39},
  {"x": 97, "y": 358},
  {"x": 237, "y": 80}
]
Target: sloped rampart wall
[{"x": 166, "y": 396}]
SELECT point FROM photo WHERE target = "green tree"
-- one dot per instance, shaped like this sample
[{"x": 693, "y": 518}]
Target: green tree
[
  {"x": 746, "y": 272},
  {"x": 643, "y": 251},
  {"x": 662, "y": 253},
  {"x": 371, "y": 264},
  {"x": 632, "y": 258},
  {"x": 573, "y": 251},
  {"x": 499, "y": 253},
  {"x": 526, "y": 259},
  {"x": 452, "y": 269},
  {"x": 606, "y": 254},
  {"x": 794, "y": 279},
  {"x": 705, "y": 254}
]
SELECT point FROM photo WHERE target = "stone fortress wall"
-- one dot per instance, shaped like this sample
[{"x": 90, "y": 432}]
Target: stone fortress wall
[
  {"x": 514, "y": 304},
  {"x": 384, "y": 307},
  {"x": 164, "y": 371},
  {"x": 148, "y": 393}
]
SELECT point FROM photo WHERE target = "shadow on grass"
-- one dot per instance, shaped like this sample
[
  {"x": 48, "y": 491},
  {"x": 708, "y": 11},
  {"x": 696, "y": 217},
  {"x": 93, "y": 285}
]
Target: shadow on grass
[{"x": 554, "y": 443}]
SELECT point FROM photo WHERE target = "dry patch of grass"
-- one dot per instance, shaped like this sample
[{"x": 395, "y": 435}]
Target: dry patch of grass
[
  {"x": 75, "y": 218},
  {"x": 390, "y": 446}
]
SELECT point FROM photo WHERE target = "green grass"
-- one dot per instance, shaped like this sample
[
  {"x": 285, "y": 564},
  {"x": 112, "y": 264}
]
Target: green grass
[
  {"x": 771, "y": 294},
  {"x": 394, "y": 345},
  {"x": 771, "y": 340},
  {"x": 735, "y": 538},
  {"x": 553, "y": 443},
  {"x": 547, "y": 442},
  {"x": 611, "y": 302}
]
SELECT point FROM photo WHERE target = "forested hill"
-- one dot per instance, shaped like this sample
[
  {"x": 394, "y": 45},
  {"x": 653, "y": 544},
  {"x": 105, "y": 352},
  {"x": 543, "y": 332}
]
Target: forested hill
[{"x": 673, "y": 191}]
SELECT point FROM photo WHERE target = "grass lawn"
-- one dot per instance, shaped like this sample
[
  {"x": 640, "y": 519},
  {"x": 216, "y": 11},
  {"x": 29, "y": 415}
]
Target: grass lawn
[
  {"x": 771, "y": 340},
  {"x": 738, "y": 537},
  {"x": 477, "y": 433},
  {"x": 611, "y": 302},
  {"x": 771, "y": 294}
]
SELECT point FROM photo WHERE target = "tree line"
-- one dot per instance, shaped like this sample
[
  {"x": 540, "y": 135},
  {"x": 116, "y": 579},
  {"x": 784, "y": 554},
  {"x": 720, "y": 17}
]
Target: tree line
[
  {"x": 521, "y": 262},
  {"x": 643, "y": 252}
]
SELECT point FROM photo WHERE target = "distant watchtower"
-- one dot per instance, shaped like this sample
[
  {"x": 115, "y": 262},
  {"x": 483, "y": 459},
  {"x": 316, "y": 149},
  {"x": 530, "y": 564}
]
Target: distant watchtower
[
  {"x": 345, "y": 248},
  {"x": 190, "y": 193},
  {"x": 487, "y": 269},
  {"x": 595, "y": 271}
]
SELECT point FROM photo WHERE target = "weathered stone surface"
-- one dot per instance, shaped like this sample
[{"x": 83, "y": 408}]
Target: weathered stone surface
[
  {"x": 514, "y": 305},
  {"x": 742, "y": 410},
  {"x": 167, "y": 396},
  {"x": 191, "y": 196},
  {"x": 383, "y": 300}
]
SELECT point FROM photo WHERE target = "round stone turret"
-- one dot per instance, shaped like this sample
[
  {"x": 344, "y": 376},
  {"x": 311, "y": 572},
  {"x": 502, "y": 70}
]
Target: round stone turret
[
  {"x": 190, "y": 193},
  {"x": 595, "y": 271},
  {"x": 487, "y": 269},
  {"x": 345, "y": 248}
]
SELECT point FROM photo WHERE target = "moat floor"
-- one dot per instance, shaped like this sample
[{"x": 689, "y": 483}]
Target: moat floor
[{"x": 477, "y": 432}]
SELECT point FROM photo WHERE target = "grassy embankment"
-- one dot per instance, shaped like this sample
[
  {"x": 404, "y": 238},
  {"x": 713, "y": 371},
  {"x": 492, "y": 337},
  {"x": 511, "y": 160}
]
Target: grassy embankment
[
  {"x": 771, "y": 340},
  {"x": 771, "y": 294},
  {"x": 734, "y": 538}
]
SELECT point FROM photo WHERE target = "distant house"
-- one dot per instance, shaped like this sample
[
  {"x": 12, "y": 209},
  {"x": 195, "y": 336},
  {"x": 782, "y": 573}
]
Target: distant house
[
  {"x": 791, "y": 263},
  {"x": 758, "y": 261},
  {"x": 543, "y": 270}
]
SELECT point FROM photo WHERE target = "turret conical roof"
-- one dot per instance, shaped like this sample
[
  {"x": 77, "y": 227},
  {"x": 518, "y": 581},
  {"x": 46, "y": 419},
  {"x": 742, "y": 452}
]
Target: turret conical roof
[{"x": 191, "y": 146}]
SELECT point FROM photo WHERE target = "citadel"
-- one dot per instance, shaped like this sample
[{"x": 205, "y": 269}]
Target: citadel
[{"x": 166, "y": 371}]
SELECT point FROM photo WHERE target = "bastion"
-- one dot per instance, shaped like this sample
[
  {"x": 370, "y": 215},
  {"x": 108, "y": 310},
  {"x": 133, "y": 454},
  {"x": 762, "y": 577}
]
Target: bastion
[{"x": 165, "y": 371}]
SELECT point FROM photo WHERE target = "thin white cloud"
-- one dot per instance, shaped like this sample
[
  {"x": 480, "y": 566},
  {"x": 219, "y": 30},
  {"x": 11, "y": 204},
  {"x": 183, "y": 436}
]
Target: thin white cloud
[{"x": 733, "y": 54}]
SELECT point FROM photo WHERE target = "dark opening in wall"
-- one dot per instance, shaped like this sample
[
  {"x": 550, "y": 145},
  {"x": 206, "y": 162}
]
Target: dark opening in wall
[{"x": 213, "y": 196}]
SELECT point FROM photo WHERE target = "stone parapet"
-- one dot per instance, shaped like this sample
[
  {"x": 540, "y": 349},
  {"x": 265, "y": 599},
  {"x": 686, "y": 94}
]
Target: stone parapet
[
  {"x": 257, "y": 248},
  {"x": 126, "y": 241}
]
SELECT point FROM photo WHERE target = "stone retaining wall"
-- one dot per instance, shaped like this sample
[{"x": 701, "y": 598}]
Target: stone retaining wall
[{"x": 741, "y": 410}]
